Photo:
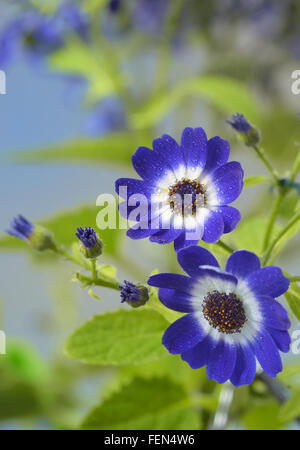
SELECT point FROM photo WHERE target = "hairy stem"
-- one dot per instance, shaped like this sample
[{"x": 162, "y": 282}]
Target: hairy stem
[
  {"x": 294, "y": 279},
  {"x": 267, "y": 163},
  {"x": 94, "y": 269},
  {"x": 272, "y": 219},
  {"x": 296, "y": 167},
  {"x": 276, "y": 389},
  {"x": 225, "y": 400},
  {"x": 278, "y": 237},
  {"x": 225, "y": 247}
]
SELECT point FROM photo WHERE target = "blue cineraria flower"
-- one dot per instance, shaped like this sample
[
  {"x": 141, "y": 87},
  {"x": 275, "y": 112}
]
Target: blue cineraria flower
[
  {"x": 248, "y": 132},
  {"x": 38, "y": 237},
  {"x": 90, "y": 244},
  {"x": 36, "y": 33},
  {"x": 187, "y": 187},
  {"x": 233, "y": 317},
  {"x": 134, "y": 295}
]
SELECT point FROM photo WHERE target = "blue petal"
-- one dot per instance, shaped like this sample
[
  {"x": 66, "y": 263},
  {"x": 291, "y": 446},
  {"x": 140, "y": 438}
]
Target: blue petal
[
  {"x": 214, "y": 275},
  {"x": 183, "y": 334},
  {"x": 181, "y": 242},
  {"x": 231, "y": 217},
  {"x": 281, "y": 338},
  {"x": 176, "y": 300},
  {"x": 213, "y": 227},
  {"x": 245, "y": 367},
  {"x": 193, "y": 143},
  {"x": 228, "y": 182},
  {"x": 192, "y": 257},
  {"x": 268, "y": 281},
  {"x": 217, "y": 153},
  {"x": 242, "y": 263},
  {"x": 267, "y": 353},
  {"x": 16, "y": 234},
  {"x": 139, "y": 233},
  {"x": 199, "y": 355},
  {"x": 133, "y": 186},
  {"x": 274, "y": 314},
  {"x": 170, "y": 151},
  {"x": 172, "y": 281},
  {"x": 222, "y": 362},
  {"x": 166, "y": 236},
  {"x": 149, "y": 165}
]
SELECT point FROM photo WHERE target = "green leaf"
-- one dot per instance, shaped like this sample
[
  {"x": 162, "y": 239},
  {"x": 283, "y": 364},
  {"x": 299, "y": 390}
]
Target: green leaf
[
  {"x": 279, "y": 141},
  {"x": 283, "y": 241},
  {"x": 249, "y": 235},
  {"x": 63, "y": 226},
  {"x": 293, "y": 298},
  {"x": 18, "y": 399},
  {"x": 291, "y": 408},
  {"x": 157, "y": 404},
  {"x": 115, "y": 149},
  {"x": 263, "y": 417},
  {"x": 256, "y": 179},
  {"x": 224, "y": 93},
  {"x": 24, "y": 361},
  {"x": 119, "y": 338},
  {"x": 78, "y": 59}
]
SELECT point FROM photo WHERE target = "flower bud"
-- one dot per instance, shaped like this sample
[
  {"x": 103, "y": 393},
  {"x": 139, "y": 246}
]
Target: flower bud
[
  {"x": 38, "y": 237},
  {"x": 247, "y": 132},
  {"x": 91, "y": 245},
  {"x": 134, "y": 295}
]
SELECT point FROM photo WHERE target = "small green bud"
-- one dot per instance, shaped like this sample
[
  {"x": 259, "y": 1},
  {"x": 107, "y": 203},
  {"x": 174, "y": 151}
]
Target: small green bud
[{"x": 41, "y": 239}]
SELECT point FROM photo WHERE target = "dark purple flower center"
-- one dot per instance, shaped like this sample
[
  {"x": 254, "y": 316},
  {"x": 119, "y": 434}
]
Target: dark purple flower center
[
  {"x": 186, "y": 195},
  {"x": 225, "y": 312}
]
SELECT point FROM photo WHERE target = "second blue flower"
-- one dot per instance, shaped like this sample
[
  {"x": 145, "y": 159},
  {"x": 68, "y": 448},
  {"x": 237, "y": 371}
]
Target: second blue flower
[{"x": 197, "y": 170}]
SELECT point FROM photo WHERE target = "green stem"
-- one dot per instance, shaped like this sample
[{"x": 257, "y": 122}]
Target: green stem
[
  {"x": 225, "y": 247},
  {"x": 225, "y": 400},
  {"x": 296, "y": 167},
  {"x": 295, "y": 279},
  {"x": 94, "y": 269},
  {"x": 279, "y": 236},
  {"x": 62, "y": 252},
  {"x": 100, "y": 281},
  {"x": 267, "y": 163},
  {"x": 272, "y": 219}
]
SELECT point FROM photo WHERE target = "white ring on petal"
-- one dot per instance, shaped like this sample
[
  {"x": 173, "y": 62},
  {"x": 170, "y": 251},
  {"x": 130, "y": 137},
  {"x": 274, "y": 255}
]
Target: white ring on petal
[{"x": 208, "y": 284}]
